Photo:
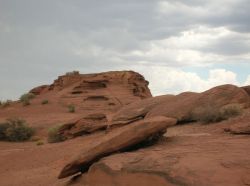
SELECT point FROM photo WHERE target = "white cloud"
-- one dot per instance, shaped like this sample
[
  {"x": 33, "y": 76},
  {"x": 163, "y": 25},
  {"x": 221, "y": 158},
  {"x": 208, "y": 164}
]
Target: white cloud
[
  {"x": 247, "y": 82},
  {"x": 195, "y": 47},
  {"x": 165, "y": 80}
]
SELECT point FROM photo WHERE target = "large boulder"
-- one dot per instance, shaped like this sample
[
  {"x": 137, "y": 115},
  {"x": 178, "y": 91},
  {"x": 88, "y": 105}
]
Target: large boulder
[
  {"x": 184, "y": 106},
  {"x": 137, "y": 110},
  {"x": 88, "y": 124},
  {"x": 194, "y": 160},
  {"x": 118, "y": 140}
]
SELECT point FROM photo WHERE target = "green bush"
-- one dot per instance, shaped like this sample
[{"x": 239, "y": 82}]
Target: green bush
[
  {"x": 38, "y": 143},
  {"x": 232, "y": 110},
  {"x": 210, "y": 114},
  {"x": 44, "y": 102},
  {"x": 3, "y": 128},
  {"x": 15, "y": 130},
  {"x": 54, "y": 136},
  {"x": 71, "y": 108},
  {"x": 25, "y": 98}
]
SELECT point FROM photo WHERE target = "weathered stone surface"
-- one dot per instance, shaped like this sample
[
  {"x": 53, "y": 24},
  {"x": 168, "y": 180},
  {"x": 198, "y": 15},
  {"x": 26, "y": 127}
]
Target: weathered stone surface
[
  {"x": 137, "y": 110},
  {"x": 39, "y": 90},
  {"x": 85, "y": 125},
  {"x": 240, "y": 125},
  {"x": 117, "y": 140},
  {"x": 247, "y": 89},
  {"x": 183, "y": 106},
  {"x": 182, "y": 160},
  {"x": 240, "y": 128}
]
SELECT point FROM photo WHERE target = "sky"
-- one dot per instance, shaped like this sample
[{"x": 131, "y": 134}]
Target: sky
[{"x": 177, "y": 45}]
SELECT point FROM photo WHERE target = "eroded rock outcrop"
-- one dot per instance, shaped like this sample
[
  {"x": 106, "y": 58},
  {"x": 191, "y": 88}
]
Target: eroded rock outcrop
[
  {"x": 137, "y": 110},
  {"x": 115, "y": 87},
  {"x": 92, "y": 94},
  {"x": 39, "y": 90},
  {"x": 179, "y": 161},
  {"x": 184, "y": 106},
  {"x": 87, "y": 124},
  {"x": 118, "y": 140}
]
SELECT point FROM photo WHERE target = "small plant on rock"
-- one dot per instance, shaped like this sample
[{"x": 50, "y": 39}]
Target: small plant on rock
[
  {"x": 54, "y": 135},
  {"x": 44, "y": 102}
]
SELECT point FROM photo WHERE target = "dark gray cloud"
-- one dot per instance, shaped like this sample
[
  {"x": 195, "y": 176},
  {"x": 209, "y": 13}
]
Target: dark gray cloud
[{"x": 42, "y": 39}]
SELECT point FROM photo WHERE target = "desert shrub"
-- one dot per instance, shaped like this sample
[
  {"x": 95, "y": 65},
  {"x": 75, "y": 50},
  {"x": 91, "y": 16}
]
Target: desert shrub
[
  {"x": 54, "y": 136},
  {"x": 210, "y": 114},
  {"x": 44, "y": 102},
  {"x": 3, "y": 128},
  {"x": 38, "y": 143},
  {"x": 72, "y": 73},
  {"x": 35, "y": 138},
  {"x": 25, "y": 98},
  {"x": 231, "y": 110},
  {"x": 15, "y": 130},
  {"x": 5, "y": 103},
  {"x": 71, "y": 108}
]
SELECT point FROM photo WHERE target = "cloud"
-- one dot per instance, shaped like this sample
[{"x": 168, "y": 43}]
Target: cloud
[
  {"x": 165, "y": 80},
  {"x": 247, "y": 82},
  {"x": 43, "y": 39}
]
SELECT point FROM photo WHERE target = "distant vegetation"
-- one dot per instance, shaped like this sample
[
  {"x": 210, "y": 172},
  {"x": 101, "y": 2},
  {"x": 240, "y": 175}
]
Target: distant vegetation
[
  {"x": 15, "y": 130},
  {"x": 54, "y": 136},
  {"x": 44, "y": 102},
  {"x": 212, "y": 114},
  {"x": 4, "y": 104},
  {"x": 25, "y": 98},
  {"x": 40, "y": 142},
  {"x": 71, "y": 108},
  {"x": 72, "y": 73}
]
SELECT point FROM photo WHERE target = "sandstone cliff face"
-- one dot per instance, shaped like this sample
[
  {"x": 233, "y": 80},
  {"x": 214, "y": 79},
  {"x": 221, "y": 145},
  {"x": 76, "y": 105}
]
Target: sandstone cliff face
[
  {"x": 116, "y": 88},
  {"x": 97, "y": 96}
]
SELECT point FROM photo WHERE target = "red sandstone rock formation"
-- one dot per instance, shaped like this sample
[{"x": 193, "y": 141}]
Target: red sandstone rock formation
[
  {"x": 100, "y": 93},
  {"x": 183, "y": 107},
  {"x": 118, "y": 139},
  {"x": 191, "y": 154}
]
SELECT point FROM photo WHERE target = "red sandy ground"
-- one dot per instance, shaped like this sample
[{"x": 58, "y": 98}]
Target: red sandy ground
[{"x": 205, "y": 155}]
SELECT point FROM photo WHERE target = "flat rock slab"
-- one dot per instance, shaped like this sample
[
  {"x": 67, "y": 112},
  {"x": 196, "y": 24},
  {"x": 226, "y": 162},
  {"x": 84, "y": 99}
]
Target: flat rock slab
[{"x": 117, "y": 140}]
